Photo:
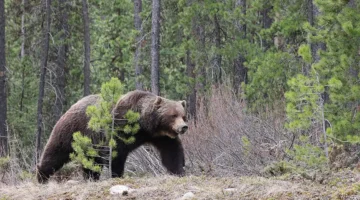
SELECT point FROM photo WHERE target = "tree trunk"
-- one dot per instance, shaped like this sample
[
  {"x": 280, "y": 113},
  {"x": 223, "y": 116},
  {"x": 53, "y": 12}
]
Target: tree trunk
[
  {"x": 86, "y": 22},
  {"x": 122, "y": 75},
  {"x": 155, "y": 47},
  {"x": 267, "y": 22},
  {"x": 313, "y": 12},
  {"x": 354, "y": 69},
  {"x": 217, "y": 62},
  {"x": 60, "y": 80},
  {"x": 241, "y": 27},
  {"x": 201, "y": 64},
  {"x": 3, "y": 95},
  {"x": 137, "y": 58},
  {"x": 22, "y": 54},
  {"x": 190, "y": 72},
  {"x": 240, "y": 71},
  {"x": 202, "y": 77},
  {"x": 44, "y": 57},
  {"x": 23, "y": 30}
]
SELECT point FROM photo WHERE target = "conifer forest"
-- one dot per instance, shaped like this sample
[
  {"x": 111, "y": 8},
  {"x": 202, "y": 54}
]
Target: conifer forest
[{"x": 272, "y": 86}]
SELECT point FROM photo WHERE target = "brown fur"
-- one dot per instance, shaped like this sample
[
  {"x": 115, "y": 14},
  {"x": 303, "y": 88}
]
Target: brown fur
[{"x": 161, "y": 120}]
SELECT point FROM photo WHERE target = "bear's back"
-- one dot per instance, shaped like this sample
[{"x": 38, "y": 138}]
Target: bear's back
[
  {"x": 75, "y": 119},
  {"x": 82, "y": 104}
]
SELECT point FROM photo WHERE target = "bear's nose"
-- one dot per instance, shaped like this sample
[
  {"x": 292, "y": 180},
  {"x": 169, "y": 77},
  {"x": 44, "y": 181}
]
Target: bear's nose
[{"x": 184, "y": 129}]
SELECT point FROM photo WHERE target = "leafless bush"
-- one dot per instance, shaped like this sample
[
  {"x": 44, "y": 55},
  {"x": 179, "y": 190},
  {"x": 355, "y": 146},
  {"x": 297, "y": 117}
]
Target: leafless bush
[
  {"x": 144, "y": 160},
  {"x": 228, "y": 141},
  {"x": 17, "y": 166}
]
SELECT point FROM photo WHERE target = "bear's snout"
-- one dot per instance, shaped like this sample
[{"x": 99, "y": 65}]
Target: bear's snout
[{"x": 183, "y": 129}]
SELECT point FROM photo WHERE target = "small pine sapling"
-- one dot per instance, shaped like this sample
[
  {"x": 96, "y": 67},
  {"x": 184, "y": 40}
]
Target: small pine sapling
[
  {"x": 131, "y": 128},
  {"x": 102, "y": 120},
  {"x": 84, "y": 152}
]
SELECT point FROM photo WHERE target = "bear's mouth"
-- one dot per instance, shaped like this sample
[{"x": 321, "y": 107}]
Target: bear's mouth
[
  {"x": 173, "y": 136},
  {"x": 170, "y": 134},
  {"x": 178, "y": 131}
]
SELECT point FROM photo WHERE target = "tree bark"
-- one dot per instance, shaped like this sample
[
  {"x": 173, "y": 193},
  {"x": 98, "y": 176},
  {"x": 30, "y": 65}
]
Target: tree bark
[
  {"x": 240, "y": 71},
  {"x": 313, "y": 12},
  {"x": 60, "y": 80},
  {"x": 23, "y": 53},
  {"x": 86, "y": 22},
  {"x": 3, "y": 94},
  {"x": 267, "y": 22},
  {"x": 354, "y": 69},
  {"x": 137, "y": 57},
  {"x": 217, "y": 62},
  {"x": 45, "y": 49},
  {"x": 241, "y": 26},
  {"x": 190, "y": 72},
  {"x": 155, "y": 48},
  {"x": 201, "y": 64},
  {"x": 201, "y": 77},
  {"x": 23, "y": 30}
]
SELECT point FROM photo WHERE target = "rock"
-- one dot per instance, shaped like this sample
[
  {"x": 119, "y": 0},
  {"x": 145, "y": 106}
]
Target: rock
[
  {"x": 229, "y": 190},
  {"x": 72, "y": 182},
  {"x": 188, "y": 195},
  {"x": 120, "y": 189}
]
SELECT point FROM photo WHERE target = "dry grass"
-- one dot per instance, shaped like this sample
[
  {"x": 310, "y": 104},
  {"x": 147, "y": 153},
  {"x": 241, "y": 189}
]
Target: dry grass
[{"x": 344, "y": 185}]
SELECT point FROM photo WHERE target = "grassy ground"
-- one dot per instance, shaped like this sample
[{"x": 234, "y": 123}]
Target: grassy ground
[{"x": 339, "y": 185}]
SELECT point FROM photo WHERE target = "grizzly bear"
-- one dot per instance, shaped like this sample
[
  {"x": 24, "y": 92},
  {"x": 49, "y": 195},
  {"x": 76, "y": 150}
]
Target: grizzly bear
[{"x": 161, "y": 121}]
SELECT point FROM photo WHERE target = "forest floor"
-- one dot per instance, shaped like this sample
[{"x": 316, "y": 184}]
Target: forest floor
[{"x": 336, "y": 185}]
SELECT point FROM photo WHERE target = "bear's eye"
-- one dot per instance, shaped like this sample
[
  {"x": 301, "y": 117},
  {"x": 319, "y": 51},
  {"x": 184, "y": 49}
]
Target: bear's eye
[
  {"x": 173, "y": 116},
  {"x": 185, "y": 119}
]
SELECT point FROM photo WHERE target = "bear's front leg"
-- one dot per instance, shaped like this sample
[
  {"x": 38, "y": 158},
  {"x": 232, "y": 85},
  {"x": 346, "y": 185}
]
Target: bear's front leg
[
  {"x": 172, "y": 154},
  {"x": 118, "y": 164},
  {"x": 89, "y": 174}
]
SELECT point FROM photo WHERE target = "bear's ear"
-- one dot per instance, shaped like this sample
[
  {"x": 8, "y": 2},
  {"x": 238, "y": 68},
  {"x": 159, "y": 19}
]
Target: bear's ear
[
  {"x": 158, "y": 101},
  {"x": 183, "y": 103}
]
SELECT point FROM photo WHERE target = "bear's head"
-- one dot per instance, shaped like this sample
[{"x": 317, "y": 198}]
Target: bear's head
[{"x": 172, "y": 117}]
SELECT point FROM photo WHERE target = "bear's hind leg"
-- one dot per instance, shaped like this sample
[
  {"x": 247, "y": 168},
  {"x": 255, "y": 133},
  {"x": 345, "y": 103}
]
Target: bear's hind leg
[
  {"x": 52, "y": 159},
  {"x": 49, "y": 165},
  {"x": 42, "y": 175}
]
